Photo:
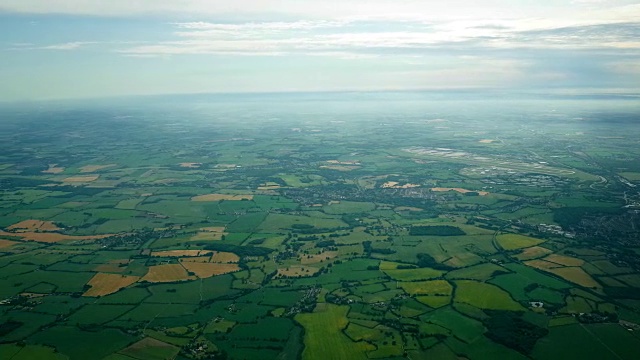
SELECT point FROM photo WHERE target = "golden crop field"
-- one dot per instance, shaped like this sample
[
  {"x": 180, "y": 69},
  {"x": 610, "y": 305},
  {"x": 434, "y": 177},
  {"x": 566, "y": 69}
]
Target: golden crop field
[
  {"x": 93, "y": 168},
  {"x": 105, "y": 284},
  {"x": 225, "y": 257},
  {"x": 34, "y": 225},
  {"x": 167, "y": 273},
  {"x": 218, "y": 197},
  {"x": 181, "y": 253},
  {"x": 206, "y": 270},
  {"x": 533, "y": 252}
]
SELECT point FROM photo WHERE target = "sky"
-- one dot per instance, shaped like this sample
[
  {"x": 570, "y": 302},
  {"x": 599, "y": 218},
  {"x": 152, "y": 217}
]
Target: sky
[{"x": 70, "y": 49}]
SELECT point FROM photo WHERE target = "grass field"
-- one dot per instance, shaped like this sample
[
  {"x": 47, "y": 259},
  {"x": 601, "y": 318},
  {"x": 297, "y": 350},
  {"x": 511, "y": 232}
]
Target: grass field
[
  {"x": 323, "y": 338},
  {"x": 484, "y": 296},
  {"x": 478, "y": 272},
  {"x": 413, "y": 274}
]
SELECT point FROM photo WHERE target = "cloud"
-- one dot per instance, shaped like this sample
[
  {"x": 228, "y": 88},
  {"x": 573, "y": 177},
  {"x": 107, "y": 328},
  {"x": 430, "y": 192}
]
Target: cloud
[
  {"x": 74, "y": 45},
  {"x": 383, "y": 38}
]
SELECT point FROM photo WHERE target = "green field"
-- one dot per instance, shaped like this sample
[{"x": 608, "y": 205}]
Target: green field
[{"x": 323, "y": 337}]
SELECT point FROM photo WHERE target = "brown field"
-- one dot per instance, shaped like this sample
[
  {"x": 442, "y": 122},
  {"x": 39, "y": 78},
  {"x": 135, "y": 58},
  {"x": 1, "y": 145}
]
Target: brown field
[
  {"x": 396, "y": 185},
  {"x": 6, "y": 243},
  {"x": 141, "y": 349},
  {"x": 297, "y": 271},
  {"x": 225, "y": 258},
  {"x": 343, "y": 162},
  {"x": 181, "y": 253},
  {"x": 542, "y": 265},
  {"x": 105, "y": 284},
  {"x": 215, "y": 229},
  {"x": 81, "y": 179},
  {"x": 576, "y": 275},
  {"x": 533, "y": 253},
  {"x": 190, "y": 165},
  {"x": 340, "y": 167},
  {"x": 206, "y": 270},
  {"x": 269, "y": 186},
  {"x": 167, "y": 273},
  {"x": 51, "y": 237},
  {"x": 207, "y": 235},
  {"x": 53, "y": 169},
  {"x": 407, "y": 208},
  {"x": 460, "y": 190},
  {"x": 112, "y": 266},
  {"x": 34, "y": 225},
  {"x": 218, "y": 197},
  {"x": 199, "y": 259},
  {"x": 313, "y": 259},
  {"x": 94, "y": 168},
  {"x": 564, "y": 260}
]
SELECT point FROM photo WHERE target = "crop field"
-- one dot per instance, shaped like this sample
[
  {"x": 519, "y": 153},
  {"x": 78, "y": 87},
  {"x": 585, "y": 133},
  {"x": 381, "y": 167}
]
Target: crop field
[
  {"x": 166, "y": 273},
  {"x": 220, "y": 197},
  {"x": 205, "y": 270},
  {"x": 105, "y": 284},
  {"x": 195, "y": 231}
]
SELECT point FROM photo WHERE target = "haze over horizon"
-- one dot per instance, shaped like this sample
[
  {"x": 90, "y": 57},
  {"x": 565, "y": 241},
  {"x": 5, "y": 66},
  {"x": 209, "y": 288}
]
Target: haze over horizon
[{"x": 67, "y": 49}]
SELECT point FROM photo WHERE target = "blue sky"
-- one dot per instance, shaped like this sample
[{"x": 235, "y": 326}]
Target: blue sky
[{"x": 59, "y": 49}]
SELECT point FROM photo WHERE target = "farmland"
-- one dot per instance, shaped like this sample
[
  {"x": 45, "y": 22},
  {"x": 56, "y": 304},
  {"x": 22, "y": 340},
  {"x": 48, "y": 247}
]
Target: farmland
[{"x": 203, "y": 230}]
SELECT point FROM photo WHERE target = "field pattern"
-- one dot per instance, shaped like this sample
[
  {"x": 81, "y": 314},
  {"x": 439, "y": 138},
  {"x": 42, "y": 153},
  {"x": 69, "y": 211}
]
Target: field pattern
[{"x": 324, "y": 226}]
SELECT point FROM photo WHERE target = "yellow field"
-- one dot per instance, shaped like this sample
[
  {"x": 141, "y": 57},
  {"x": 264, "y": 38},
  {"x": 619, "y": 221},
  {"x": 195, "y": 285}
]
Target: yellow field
[
  {"x": 631, "y": 176},
  {"x": 340, "y": 167},
  {"x": 225, "y": 257},
  {"x": 53, "y": 169},
  {"x": 105, "y": 284},
  {"x": 6, "y": 243},
  {"x": 93, "y": 168},
  {"x": 218, "y": 197},
  {"x": 542, "y": 265},
  {"x": 564, "y": 260},
  {"x": 190, "y": 165},
  {"x": 208, "y": 235},
  {"x": 432, "y": 287},
  {"x": 51, "y": 237},
  {"x": 314, "y": 259},
  {"x": 297, "y": 271},
  {"x": 34, "y": 225},
  {"x": 81, "y": 179},
  {"x": 181, "y": 253},
  {"x": 199, "y": 259},
  {"x": 573, "y": 274},
  {"x": 206, "y": 270},
  {"x": 460, "y": 190},
  {"x": 515, "y": 241},
  {"x": 167, "y": 273},
  {"x": 486, "y": 141},
  {"x": 533, "y": 253},
  {"x": 214, "y": 229}
]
